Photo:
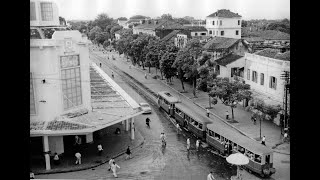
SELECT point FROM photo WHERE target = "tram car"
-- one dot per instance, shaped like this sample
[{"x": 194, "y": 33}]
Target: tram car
[
  {"x": 217, "y": 134},
  {"x": 260, "y": 157},
  {"x": 191, "y": 120},
  {"x": 167, "y": 102}
]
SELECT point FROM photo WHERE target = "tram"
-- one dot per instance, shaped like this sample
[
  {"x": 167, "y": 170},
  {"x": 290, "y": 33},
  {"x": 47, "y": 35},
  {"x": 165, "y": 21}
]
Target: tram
[{"x": 217, "y": 134}]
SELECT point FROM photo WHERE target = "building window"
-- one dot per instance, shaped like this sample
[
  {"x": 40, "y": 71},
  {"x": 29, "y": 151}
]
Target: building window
[
  {"x": 46, "y": 11},
  {"x": 220, "y": 22},
  {"x": 210, "y": 32},
  {"x": 203, "y": 34},
  {"x": 254, "y": 76},
  {"x": 71, "y": 81},
  {"x": 248, "y": 74},
  {"x": 237, "y": 32},
  {"x": 212, "y": 22},
  {"x": 33, "y": 11},
  {"x": 195, "y": 34},
  {"x": 238, "y": 22},
  {"x": 273, "y": 83},
  {"x": 32, "y": 100},
  {"x": 218, "y": 70},
  {"x": 261, "y": 78},
  {"x": 222, "y": 33}
]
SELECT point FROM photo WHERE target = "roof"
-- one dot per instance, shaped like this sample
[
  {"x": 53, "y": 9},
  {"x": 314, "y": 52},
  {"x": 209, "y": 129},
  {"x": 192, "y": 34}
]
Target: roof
[
  {"x": 159, "y": 24},
  {"x": 138, "y": 17},
  {"x": 122, "y": 19},
  {"x": 274, "y": 35},
  {"x": 170, "y": 35},
  {"x": 133, "y": 20},
  {"x": 110, "y": 105},
  {"x": 226, "y": 13},
  {"x": 220, "y": 43},
  {"x": 193, "y": 114},
  {"x": 274, "y": 53},
  {"x": 168, "y": 96},
  {"x": 228, "y": 59},
  {"x": 195, "y": 28},
  {"x": 238, "y": 138},
  {"x": 253, "y": 39}
]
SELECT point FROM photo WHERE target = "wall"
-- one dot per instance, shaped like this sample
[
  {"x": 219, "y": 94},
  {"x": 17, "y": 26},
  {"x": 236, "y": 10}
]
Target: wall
[
  {"x": 270, "y": 67},
  {"x": 56, "y": 144},
  {"x": 39, "y": 22},
  {"x": 229, "y": 26},
  {"x": 144, "y": 31},
  {"x": 199, "y": 33},
  {"x": 45, "y": 64},
  {"x": 225, "y": 71}
]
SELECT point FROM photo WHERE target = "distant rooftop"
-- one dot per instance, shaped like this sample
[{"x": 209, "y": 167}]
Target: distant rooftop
[
  {"x": 228, "y": 59},
  {"x": 226, "y": 13},
  {"x": 274, "y": 53},
  {"x": 220, "y": 43}
]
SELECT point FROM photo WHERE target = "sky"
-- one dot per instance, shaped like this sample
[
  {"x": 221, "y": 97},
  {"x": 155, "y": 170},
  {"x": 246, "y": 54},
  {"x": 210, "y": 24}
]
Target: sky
[{"x": 199, "y": 9}]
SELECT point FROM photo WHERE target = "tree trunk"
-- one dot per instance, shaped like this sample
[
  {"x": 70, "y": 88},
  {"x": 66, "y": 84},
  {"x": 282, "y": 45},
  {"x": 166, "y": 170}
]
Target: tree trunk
[
  {"x": 149, "y": 67},
  {"x": 232, "y": 113},
  {"x": 209, "y": 103},
  {"x": 182, "y": 84},
  {"x": 194, "y": 88}
]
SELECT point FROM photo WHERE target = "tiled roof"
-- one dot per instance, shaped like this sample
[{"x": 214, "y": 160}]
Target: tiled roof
[
  {"x": 159, "y": 24},
  {"x": 274, "y": 53},
  {"x": 65, "y": 125},
  {"x": 253, "y": 39},
  {"x": 228, "y": 59},
  {"x": 220, "y": 43},
  {"x": 170, "y": 35},
  {"x": 36, "y": 125},
  {"x": 195, "y": 28},
  {"x": 133, "y": 20},
  {"x": 224, "y": 13},
  {"x": 274, "y": 35}
]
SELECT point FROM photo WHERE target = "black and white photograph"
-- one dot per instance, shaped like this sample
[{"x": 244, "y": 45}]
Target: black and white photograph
[{"x": 160, "y": 89}]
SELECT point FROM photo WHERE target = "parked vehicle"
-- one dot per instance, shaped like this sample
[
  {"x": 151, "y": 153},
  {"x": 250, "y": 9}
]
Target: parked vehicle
[{"x": 146, "y": 108}]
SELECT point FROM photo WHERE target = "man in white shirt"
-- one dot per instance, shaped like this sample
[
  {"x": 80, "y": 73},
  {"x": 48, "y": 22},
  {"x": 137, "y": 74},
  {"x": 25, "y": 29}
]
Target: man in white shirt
[
  {"x": 210, "y": 176},
  {"x": 114, "y": 167},
  {"x": 78, "y": 156},
  {"x": 100, "y": 149},
  {"x": 208, "y": 112},
  {"x": 110, "y": 163},
  {"x": 188, "y": 144},
  {"x": 197, "y": 144},
  {"x": 263, "y": 140},
  {"x": 227, "y": 115},
  {"x": 178, "y": 128}
]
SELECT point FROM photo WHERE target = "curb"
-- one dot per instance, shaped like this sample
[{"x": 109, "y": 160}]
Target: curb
[{"x": 93, "y": 166}]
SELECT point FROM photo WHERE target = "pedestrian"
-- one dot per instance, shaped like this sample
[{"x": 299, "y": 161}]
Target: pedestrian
[
  {"x": 78, "y": 156},
  {"x": 263, "y": 140},
  {"x": 178, "y": 128},
  {"x": 99, "y": 149},
  {"x": 226, "y": 148},
  {"x": 284, "y": 137},
  {"x": 208, "y": 112},
  {"x": 145, "y": 75},
  {"x": 112, "y": 75},
  {"x": 110, "y": 163},
  {"x": 188, "y": 144},
  {"x": 227, "y": 115},
  {"x": 210, "y": 176},
  {"x": 197, "y": 144},
  {"x": 56, "y": 159},
  {"x": 114, "y": 167},
  {"x": 100, "y": 64},
  {"x": 128, "y": 152}
]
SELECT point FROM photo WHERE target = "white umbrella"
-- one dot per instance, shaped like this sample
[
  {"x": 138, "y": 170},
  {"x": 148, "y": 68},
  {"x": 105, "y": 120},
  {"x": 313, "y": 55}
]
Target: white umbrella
[{"x": 238, "y": 159}]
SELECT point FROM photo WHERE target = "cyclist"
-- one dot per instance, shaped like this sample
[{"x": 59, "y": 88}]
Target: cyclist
[
  {"x": 163, "y": 138},
  {"x": 148, "y": 122}
]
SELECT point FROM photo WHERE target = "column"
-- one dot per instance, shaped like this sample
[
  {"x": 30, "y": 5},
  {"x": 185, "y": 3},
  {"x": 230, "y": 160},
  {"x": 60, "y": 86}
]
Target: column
[
  {"x": 46, "y": 149},
  {"x": 132, "y": 128},
  {"x": 127, "y": 124}
]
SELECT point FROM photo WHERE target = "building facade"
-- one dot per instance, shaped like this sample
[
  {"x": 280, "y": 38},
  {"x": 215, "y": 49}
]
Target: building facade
[
  {"x": 224, "y": 23},
  {"x": 43, "y": 13}
]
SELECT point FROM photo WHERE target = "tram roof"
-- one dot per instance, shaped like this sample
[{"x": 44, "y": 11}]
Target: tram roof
[
  {"x": 168, "y": 96},
  {"x": 239, "y": 139},
  {"x": 193, "y": 114}
]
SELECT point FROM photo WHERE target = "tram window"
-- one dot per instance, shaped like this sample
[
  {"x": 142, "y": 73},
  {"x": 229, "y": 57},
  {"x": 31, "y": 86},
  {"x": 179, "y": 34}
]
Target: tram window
[
  {"x": 257, "y": 158},
  {"x": 195, "y": 123},
  {"x": 222, "y": 139},
  {"x": 241, "y": 149},
  {"x": 200, "y": 125},
  {"x": 217, "y": 136},
  {"x": 210, "y": 133}
]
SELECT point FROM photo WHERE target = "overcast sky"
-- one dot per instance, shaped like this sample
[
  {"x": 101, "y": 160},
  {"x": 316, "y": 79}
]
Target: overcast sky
[{"x": 199, "y": 9}]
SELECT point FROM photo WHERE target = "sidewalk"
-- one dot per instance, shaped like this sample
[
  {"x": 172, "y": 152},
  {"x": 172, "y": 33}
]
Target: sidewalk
[
  {"x": 242, "y": 117},
  {"x": 113, "y": 146}
]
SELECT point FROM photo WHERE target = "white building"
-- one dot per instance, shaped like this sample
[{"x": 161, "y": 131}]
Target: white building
[
  {"x": 63, "y": 89},
  {"x": 224, "y": 23},
  {"x": 43, "y": 13},
  {"x": 263, "y": 71}
]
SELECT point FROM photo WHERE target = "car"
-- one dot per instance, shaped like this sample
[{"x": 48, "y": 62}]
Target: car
[{"x": 146, "y": 108}]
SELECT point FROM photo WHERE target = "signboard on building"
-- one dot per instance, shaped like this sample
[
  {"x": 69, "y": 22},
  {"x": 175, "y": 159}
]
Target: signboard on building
[{"x": 68, "y": 45}]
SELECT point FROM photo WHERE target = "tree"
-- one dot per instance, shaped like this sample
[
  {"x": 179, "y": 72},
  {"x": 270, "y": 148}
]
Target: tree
[
  {"x": 153, "y": 55},
  {"x": 114, "y": 29},
  {"x": 62, "y": 21},
  {"x": 93, "y": 32},
  {"x": 138, "y": 49},
  {"x": 182, "y": 21},
  {"x": 101, "y": 37},
  {"x": 230, "y": 93},
  {"x": 167, "y": 61},
  {"x": 103, "y": 20},
  {"x": 244, "y": 23},
  {"x": 106, "y": 43},
  {"x": 166, "y": 16}
]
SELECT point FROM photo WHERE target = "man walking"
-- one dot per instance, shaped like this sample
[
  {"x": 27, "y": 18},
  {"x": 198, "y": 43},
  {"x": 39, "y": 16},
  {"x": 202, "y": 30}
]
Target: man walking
[
  {"x": 112, "y": 75},
  {"x": 128, "y": 152},
  {"x": 263, "y": 140},
  {"x": 227, "y": 115},
  {"x": 100, "y": 149},
  {"x": 188, "y": 144},
  {"x": 78, "y": 156},
  {"x": 210, "y": 176},
  {"x": 100, "y": 64},
  {"x": 197, "y": 144},
  {"x": 110, "y": 163},
  {"x": 208, "y": 112},
  {"x": 114, "y": 167},
  {"x": 178, "y": 128}
]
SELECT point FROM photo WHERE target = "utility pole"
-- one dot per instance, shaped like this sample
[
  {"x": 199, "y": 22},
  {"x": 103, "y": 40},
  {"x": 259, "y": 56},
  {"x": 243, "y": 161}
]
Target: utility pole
[{"x": 286, "y": 76}]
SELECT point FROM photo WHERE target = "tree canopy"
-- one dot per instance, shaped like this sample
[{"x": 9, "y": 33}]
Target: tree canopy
[
  {"x": 166, "y": 16},
  {"x": 103, "y": 20}
]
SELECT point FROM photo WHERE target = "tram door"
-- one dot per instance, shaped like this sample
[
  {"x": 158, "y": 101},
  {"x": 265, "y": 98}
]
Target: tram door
[{"x": 267, "y": 159}]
